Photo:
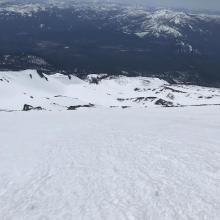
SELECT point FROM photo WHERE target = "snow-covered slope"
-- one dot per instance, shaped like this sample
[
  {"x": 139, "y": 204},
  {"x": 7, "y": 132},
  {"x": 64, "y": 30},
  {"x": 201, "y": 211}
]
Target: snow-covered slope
[
  {"x": 110, "y": 164},
  {"x": 60, "y": 92}
]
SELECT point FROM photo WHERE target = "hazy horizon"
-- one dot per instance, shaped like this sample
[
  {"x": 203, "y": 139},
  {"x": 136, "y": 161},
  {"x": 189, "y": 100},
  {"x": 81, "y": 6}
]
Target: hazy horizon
[{"x": 189, "y": 4}]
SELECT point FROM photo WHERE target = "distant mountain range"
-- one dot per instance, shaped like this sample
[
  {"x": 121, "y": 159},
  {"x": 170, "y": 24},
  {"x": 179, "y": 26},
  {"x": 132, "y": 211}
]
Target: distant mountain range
[{"x": 84, "y": 37}]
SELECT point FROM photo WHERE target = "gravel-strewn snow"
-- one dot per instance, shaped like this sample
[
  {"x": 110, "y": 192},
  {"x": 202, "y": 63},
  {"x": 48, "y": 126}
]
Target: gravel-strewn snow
[{"x": 108, "y": 164}]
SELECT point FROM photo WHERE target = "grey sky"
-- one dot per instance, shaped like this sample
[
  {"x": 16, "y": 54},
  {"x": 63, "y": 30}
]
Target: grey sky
[{"x": 195, "y": 4}]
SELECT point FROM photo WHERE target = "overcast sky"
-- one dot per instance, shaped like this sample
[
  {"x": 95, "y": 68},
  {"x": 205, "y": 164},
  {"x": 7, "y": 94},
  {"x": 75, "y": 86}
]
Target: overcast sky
[{"x": 191, "y": 4}]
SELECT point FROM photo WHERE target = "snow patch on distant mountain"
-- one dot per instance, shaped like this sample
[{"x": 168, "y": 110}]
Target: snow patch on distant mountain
[{"x": 139, "y": 21}]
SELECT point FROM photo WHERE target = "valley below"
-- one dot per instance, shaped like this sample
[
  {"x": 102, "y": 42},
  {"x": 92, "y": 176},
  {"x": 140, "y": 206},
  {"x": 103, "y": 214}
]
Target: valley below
[{"x": 85, "y": 37}]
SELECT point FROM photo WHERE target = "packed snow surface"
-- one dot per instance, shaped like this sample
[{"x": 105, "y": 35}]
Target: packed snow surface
[{"x": 108, "y": 164}]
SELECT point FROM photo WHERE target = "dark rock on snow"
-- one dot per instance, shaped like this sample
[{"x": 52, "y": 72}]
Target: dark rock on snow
[
  {"x": 164, "y": 103},
  {"x": 75, "y": 107},
  {"x": 27, "y": 107}
]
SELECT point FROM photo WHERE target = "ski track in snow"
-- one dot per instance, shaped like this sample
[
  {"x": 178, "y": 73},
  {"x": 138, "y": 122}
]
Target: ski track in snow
[{"x": 110, "y": 164}]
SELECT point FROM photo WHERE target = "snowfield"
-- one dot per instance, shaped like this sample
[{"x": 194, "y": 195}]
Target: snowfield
[
  {"x": 110, "y": 164},
  {"x": 59, "y": 92}
]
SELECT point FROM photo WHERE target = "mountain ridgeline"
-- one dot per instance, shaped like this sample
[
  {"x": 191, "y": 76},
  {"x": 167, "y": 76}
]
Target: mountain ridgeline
[{"x": 84, "y": 38}]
